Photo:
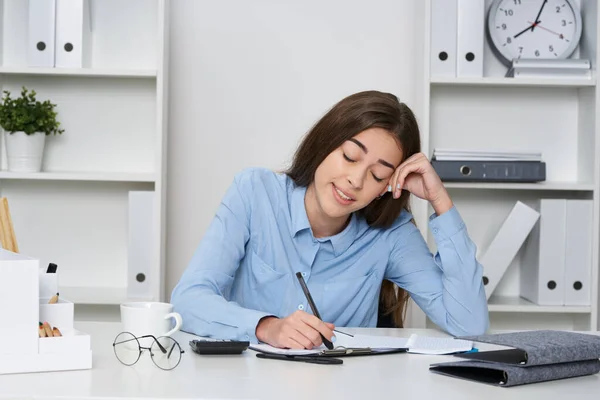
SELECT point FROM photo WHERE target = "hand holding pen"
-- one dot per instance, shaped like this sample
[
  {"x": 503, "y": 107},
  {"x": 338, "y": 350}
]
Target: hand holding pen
[{"x": 299, "y": 330}]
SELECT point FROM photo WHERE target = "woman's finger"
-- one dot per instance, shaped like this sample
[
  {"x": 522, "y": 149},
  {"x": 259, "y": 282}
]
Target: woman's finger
[{"x": 413, "y": 167}]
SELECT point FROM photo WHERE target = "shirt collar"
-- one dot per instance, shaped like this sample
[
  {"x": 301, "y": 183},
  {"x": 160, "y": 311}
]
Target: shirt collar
[
  {"x": 340, "y": 242},
  {"x": 298, "y": 211},
  {"x": 345, "y": 238}
]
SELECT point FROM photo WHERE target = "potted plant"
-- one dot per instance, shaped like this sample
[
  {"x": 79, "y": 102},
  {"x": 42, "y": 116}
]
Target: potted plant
[{"x": 26, "y": 123}]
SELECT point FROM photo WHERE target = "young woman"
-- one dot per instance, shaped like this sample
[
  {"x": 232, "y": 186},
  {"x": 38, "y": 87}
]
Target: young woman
[{"x": 340, "y": 217}]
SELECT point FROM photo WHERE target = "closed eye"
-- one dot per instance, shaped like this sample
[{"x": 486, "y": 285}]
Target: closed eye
[
  {"x": 348, "y": 158},
  {"x": 376, "y": 178}
]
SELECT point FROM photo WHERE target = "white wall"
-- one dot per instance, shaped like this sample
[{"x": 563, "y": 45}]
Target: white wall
[{"x": 249, "y": 78}]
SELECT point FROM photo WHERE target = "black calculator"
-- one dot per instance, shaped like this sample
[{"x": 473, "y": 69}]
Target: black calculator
[{"x": 208, "y": 346}]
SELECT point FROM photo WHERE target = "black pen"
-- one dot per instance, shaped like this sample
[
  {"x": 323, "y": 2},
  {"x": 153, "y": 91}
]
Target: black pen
[
  {"x": 299, "y": 358},
  {"x": 313, "y": 307}
]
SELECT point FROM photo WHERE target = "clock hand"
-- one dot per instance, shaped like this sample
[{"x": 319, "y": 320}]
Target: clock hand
[
  {"x": 546, "y": 29},
  {"x": 537, "y": 19},
  {"x": 526, "y": 29}
]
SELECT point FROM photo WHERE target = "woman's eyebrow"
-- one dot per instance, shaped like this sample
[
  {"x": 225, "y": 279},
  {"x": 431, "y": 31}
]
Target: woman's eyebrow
[{"x": 364, "y": 148}]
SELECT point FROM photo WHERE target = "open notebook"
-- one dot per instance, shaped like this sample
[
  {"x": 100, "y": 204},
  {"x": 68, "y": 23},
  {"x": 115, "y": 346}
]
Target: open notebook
[{"x": 414, "y": 344}]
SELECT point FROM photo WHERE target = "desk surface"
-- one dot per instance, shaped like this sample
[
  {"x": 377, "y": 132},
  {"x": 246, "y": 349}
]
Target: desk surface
[{"x": 247, "y": 377}]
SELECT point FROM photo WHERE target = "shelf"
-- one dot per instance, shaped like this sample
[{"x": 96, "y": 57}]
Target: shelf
[
  {"x": 81, "y": 176},
  {"x": 520, "y": 305},
  {"x": 96, "y": 295},
  {"x": 565, "y": 186},
  {"x": 540, "y": 82},
  {"x": 84, "y": 72}
]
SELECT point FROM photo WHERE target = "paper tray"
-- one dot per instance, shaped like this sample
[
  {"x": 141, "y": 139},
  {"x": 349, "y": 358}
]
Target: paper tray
[{"x": 63, "y": 353}]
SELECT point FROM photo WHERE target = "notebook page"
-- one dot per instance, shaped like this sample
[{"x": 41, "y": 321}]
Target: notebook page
[
  {"x": 435, "y": 345},
  {"x": 265, "y": 348},
  {"x": 371, "y": 341}
]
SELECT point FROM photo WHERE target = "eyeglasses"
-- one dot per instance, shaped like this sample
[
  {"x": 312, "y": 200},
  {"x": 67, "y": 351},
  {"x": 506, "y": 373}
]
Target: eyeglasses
[{"x": 165, "y": 352}]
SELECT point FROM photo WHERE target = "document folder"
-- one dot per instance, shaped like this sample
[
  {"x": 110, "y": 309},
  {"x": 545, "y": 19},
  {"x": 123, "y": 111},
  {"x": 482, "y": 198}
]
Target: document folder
[
  {"x": 533, "y": 356},
  {"x": 506, "y": 375},
  {"x": 540, "y": 347},
  {"x": 490, "y": 171}
]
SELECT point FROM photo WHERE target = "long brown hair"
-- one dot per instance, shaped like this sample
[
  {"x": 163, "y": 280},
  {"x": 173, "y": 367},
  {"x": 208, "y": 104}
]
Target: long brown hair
[{"x": 346, "y": 119}]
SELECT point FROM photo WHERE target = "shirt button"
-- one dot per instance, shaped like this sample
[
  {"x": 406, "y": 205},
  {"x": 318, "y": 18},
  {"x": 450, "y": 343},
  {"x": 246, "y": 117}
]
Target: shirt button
[
  {"x": 304, "y": 274},
  {"x": 435, "y": 230},
  {"x": 301, "y": 307}
]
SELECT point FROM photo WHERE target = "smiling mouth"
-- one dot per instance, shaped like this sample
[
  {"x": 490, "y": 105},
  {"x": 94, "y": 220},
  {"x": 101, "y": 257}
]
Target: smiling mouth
[{"x": 342, "y": 195}]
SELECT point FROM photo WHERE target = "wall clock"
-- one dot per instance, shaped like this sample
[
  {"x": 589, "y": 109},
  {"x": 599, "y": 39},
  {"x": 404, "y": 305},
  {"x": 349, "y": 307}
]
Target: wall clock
[{"x": 539, "y": 29}]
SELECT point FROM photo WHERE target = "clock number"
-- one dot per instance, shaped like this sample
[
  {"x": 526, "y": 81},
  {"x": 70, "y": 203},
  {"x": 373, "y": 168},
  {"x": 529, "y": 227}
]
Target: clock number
[
  {"x": 503, "y": 27},
  {"x": 551, "y": 49},
  {"x": 558, "y": 9},
  {"x": 564, "y": 23},
  {"x": 508, "y": 13},
  {"x": 537, "y": 53},
  {"x": 508, "y": 40},
  {"x": 517, "y": 2}
]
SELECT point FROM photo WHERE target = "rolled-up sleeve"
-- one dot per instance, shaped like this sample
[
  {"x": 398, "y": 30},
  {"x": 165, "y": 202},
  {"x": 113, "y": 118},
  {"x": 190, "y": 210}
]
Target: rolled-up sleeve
[{"x": 447, "y": 286}]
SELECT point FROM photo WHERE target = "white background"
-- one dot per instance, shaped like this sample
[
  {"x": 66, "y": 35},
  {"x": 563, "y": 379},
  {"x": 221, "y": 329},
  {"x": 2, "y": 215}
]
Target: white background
[{"x": 249, "y": 78}]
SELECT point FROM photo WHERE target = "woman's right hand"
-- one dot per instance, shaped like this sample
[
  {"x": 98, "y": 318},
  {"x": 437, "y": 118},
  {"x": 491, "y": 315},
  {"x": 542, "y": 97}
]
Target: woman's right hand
[{"x": 299, "y": 330}]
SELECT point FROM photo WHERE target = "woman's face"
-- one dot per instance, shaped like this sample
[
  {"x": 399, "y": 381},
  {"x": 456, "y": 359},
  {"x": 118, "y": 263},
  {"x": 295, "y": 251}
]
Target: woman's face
[{"x": 356, "y": 173}]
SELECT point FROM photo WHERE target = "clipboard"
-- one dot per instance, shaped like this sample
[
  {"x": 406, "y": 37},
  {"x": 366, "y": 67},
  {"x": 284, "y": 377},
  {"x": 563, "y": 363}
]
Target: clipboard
[{"x": 329, "y": 357}]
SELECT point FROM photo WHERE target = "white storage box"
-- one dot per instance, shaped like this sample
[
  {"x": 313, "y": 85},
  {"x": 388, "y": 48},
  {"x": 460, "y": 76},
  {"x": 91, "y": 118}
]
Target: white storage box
[
  {"x": 22, "y": 310},
  {"x": 59, "y": 315}
]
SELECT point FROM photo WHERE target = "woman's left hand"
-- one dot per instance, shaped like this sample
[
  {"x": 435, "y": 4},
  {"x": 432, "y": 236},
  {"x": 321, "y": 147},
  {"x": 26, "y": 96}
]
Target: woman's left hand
[{"x": 416, "y": 174}]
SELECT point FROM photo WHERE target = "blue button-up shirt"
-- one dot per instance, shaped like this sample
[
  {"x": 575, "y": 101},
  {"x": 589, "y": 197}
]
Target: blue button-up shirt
[{"x": 244, "y": 268}]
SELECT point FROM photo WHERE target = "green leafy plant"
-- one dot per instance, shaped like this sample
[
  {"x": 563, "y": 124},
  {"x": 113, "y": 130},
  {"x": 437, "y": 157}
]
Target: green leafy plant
[{"x": 27, "y": 114}]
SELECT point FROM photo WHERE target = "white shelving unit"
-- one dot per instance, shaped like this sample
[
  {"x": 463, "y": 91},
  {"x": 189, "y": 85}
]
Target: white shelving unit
[
  {"x": 75, "y": 212},
  {"x": 554, "y": 116}
]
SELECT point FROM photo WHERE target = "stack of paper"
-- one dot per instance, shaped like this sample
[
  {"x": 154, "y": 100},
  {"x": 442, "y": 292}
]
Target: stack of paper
[
  {"x": 446, "y": 154},
  {"x": 436, "y": 345}
]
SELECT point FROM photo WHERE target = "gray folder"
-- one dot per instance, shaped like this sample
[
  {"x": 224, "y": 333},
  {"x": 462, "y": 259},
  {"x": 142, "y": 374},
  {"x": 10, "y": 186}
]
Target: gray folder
[
  {"x": 537, "y": 347},
  {"x": 532, "y": 356},
  {"x": 490, "y": 171},
  {"x": 507, "y": 375}
]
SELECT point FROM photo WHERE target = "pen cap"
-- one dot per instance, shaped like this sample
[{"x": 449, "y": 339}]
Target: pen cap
[{"x": 52, "y": 268}]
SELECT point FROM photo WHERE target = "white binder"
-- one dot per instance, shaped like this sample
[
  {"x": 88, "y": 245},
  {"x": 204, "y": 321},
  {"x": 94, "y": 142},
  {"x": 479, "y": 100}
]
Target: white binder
[
  {"x": 40, "y": 40},
  {"x": 73, "y": 34},
  {"x": 542, "y": 270},
  {"x": 443, "y": 38},
  {"x": 469, "y": 39},
  {"x": 141, "y": 244},
  {"x": 578, "y": 253},
  {"x": 506, "y": 244}
]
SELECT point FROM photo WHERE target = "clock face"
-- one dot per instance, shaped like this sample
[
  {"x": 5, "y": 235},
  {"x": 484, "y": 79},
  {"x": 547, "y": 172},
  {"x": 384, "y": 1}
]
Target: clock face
[{"x": 540, "y": 29}]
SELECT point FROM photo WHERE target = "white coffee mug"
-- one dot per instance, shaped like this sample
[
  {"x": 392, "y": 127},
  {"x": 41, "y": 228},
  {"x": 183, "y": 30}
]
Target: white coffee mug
[{"x": 149, "y": 318}]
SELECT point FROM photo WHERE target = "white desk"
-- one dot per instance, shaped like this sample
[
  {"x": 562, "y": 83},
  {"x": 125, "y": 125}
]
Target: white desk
[{"x": 247, "y": 377}]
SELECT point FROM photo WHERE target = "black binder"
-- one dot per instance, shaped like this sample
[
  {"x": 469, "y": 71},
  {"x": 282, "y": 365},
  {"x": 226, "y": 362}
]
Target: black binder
[{"x": 533, "y": 356}]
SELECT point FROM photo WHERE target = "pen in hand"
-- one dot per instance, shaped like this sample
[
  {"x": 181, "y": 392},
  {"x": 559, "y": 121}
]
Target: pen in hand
[{"x": 313, "y": 307}]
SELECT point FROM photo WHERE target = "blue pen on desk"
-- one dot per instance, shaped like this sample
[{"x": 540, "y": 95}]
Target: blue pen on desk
[{"x": 313, "y": 307}]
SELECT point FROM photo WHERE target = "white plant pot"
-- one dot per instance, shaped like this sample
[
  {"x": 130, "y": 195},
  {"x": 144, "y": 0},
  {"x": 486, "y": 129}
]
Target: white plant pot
[{"x": 25, "y": 152}]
